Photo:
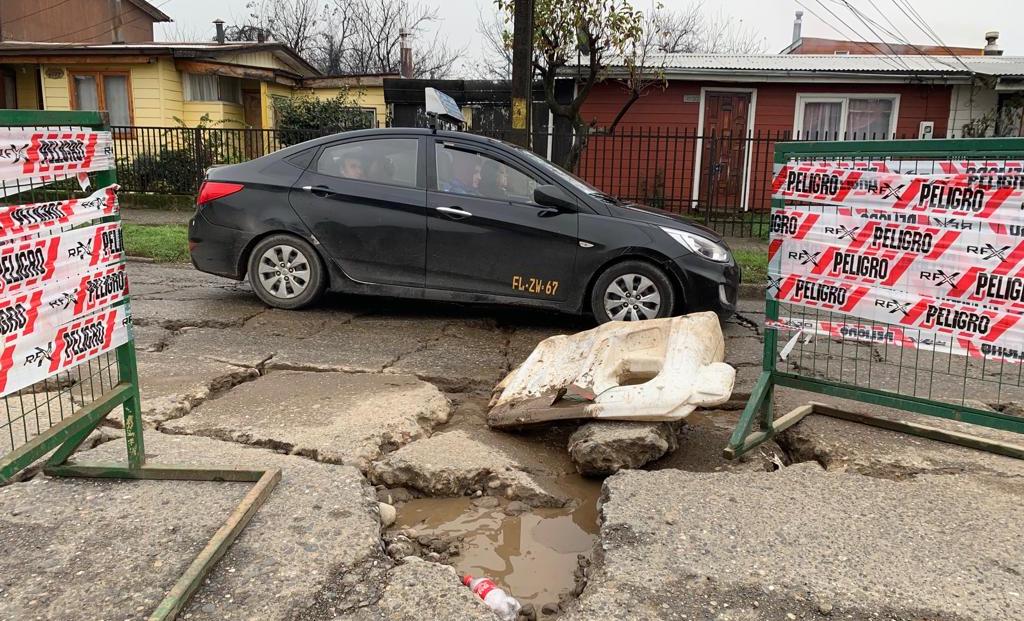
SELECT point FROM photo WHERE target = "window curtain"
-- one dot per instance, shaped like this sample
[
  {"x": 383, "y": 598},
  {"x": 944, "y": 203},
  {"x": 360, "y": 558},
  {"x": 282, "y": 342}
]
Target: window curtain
[
  {"x": 822, "y": 120},
  {"x": 201, "y": 87},
  {"x": 869, "y": 119},
  {"x": 86, "y": 94},
  {"x": 115, "y": 97}
]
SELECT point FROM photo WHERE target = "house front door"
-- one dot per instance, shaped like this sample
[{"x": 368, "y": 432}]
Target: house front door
[
  {"x": 253, "y": 114},
  {"x": 724, "y": 153}
]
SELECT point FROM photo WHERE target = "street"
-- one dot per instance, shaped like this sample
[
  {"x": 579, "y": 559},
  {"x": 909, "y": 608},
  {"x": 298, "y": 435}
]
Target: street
[{"x": 361, "y": 400}]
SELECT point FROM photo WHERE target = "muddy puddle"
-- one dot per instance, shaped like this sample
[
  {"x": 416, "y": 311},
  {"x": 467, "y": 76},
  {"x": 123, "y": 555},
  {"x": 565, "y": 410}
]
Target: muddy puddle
[{"x": 532, "y": 555}]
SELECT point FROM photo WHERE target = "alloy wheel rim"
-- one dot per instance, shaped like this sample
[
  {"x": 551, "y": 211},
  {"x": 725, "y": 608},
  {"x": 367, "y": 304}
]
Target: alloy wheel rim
[
  {"x": 632, "y": 297},
  {"x": 284, "y": 271}
]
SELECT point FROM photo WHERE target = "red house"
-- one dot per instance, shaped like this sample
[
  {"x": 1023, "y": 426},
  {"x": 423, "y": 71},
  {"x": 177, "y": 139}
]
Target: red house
[{"x": 705, "y": 138}]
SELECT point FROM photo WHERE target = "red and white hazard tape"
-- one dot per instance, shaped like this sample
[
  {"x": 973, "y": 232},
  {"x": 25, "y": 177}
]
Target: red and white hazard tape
[
  {"x": 42, "y": 155},
  {"x": 36, "y": 262},
  {"x": 883, "y": 334},
  {"x": 17, "y": 221},
  {"x": 25, "y": 362},
  {"x": 938, "y": 195},
  {"x": 993, "y": 327},
  {"x": 967, "y": 266},
  {"x": 22, "y": 315}
]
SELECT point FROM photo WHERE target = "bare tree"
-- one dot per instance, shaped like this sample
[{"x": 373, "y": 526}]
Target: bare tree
[
  {"x": 180, "y": 32},
  {"x": 353, "y": 36},
  {"x": 296, "y": 23},
  {"x": 496, "y": 53},
  {"x": 695, "y": 31}
]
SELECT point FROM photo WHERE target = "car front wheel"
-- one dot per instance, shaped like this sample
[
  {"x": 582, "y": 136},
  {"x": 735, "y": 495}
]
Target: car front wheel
[
  {"x": 285, "y": 272},
  {"x": 632, "y": 291}
]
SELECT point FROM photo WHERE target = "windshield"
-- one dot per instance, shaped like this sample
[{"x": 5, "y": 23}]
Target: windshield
[{"x": 561, "y": 173}]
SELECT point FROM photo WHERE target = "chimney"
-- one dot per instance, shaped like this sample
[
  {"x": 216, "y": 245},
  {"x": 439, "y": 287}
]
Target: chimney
[
  {"x": 406, "y": 54},
  {"x": 798, "y": 25},
  {"x": 992, "y": 46},
  {"x": 219, "y": 23},
  {"x": 261, "y": 35}
]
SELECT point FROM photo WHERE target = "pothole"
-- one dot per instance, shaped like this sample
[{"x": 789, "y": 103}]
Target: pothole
[{"x": 538, "y": 555}]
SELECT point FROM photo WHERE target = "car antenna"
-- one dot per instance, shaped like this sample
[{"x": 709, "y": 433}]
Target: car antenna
[{"x": 441, "y": 107}]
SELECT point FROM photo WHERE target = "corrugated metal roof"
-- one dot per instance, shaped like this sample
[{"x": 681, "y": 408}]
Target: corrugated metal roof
[{"x": 838, "y": 63}]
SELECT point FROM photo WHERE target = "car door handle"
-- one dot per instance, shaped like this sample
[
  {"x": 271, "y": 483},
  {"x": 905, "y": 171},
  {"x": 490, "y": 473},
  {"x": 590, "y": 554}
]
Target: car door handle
[
  {"x": 454, "y": 212},
  {"x": 319, "y": 190}
]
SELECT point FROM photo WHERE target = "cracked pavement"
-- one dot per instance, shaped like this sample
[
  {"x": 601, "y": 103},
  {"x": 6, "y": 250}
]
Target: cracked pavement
[{"x": 835, "y": 520}]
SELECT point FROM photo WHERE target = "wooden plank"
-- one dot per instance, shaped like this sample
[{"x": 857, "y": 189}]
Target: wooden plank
[
  {"x": 193, "y": 577},
  {"x": 932, "y": 433},
  {"x": 233, "y": 71}
]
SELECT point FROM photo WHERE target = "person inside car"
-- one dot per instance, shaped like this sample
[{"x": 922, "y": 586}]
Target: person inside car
[{"x": 352, "y": 166}]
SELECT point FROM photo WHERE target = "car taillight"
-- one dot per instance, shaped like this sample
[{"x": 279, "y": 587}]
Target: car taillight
[{"x": 212, "y": 190}]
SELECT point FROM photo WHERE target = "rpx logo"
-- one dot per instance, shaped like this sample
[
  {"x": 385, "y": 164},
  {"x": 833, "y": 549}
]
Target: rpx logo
[
  {"x": 988, "y": 251},
  {"x": 842, "y": 232},
  {"x": 893, "y": 306},
  {"x": 891, "y": 191},
  {"x": 939, "y": 278},
  {"x": 805, "y": 257},
  {"x": 952, "y": 223}
]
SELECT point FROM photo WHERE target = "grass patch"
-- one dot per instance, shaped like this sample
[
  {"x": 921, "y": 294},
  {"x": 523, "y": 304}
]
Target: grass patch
[
  {"x": 167, "y": 243},
  {"x": 754, "y": 263}
]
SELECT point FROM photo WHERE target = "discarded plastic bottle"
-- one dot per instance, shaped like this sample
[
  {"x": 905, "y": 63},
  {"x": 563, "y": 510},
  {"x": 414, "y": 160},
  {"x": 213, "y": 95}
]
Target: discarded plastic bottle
[{"x": 503, "y": 604}]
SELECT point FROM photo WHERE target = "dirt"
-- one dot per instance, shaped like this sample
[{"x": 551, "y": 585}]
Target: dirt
[{"x": 533, "y": 555}]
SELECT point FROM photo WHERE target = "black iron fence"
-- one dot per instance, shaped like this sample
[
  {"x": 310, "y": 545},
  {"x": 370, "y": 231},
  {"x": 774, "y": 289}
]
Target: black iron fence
[{"x": 719, "y": 180}]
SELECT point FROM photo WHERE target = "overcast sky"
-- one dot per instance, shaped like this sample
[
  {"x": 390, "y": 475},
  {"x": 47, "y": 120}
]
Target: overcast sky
[{"x": 957, "y": 23}]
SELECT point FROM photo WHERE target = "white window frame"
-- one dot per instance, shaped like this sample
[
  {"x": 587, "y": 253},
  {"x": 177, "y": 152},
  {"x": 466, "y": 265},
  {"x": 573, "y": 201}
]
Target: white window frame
[{"x": 844, "y": 99}]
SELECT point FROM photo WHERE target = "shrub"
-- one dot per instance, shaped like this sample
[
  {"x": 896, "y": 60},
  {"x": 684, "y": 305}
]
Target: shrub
[{"x": 304, "y": 117}]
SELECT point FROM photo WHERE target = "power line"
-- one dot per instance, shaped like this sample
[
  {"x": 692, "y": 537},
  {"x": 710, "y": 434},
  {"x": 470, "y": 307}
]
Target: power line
[
  {"x": 37, "y": 12},
  {"x": 863, "y": 17},
  {"x": 837, "y": 31},
  {"x": 901, "y": 64},
  {"x": 112, "y": 29},
  {"x": 927, "y": 30}
]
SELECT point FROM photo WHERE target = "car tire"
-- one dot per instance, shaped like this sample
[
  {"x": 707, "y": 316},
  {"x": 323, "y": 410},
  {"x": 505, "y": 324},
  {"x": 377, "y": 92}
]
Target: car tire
[
  {"x": 286, "y": 272},
  {"x": 632, "y": 291}
]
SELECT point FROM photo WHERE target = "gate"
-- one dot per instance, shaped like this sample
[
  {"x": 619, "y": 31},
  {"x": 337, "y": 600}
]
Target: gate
[
  {"x": 68, "y": 358},
  {"x": 896, "y": 278}
]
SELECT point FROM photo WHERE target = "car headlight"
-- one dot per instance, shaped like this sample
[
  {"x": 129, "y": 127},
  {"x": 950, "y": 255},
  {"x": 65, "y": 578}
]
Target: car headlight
[{"x": 699, "y": 244}]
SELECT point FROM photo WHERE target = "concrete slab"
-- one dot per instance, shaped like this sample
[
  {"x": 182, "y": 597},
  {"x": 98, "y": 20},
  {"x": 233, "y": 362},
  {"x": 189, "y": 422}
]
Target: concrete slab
[
  {"x": 802, "y": 543},
  {"x": 331, "y": 417},
  {"x": 605, "y": 447},
  {"x": 841, "y": 445},
  {"x": 319, "y": 522},
  {"x": 151, "y": 338},
  {"x": 458, "y": 462},
  {"x": 463, "y": 358},
  {"x": 207, "y": 312},
  {"x": 172, "y": 382},
  {"x": 417, "y": 589},
  {"x": 25, "y": 415}
]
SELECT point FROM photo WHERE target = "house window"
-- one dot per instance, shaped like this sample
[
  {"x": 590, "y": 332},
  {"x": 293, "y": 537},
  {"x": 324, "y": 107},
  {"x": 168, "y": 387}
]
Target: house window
[
  {"x": 108, "y": 91},
  {"x": 8, "y": 90},
  {"x": 839, "y": 117},
  {"x": 209, "y": 87}
]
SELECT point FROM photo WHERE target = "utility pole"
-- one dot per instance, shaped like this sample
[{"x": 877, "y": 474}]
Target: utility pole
[{"x": 522, "y": 71}]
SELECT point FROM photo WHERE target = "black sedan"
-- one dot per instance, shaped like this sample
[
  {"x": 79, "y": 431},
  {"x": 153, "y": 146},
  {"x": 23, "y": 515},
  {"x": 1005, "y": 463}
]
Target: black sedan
[{"x": 450, "y": 216}]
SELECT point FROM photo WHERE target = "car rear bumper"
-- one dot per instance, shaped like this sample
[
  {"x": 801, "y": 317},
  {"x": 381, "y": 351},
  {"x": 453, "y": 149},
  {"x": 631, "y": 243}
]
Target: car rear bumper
[{"x": 216, "y": 249}]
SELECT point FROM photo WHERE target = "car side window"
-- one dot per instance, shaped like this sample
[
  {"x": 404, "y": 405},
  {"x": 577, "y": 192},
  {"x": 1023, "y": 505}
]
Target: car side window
[
  {"x": 460, "y": 171},
  {"x": 390, "y": 160}
]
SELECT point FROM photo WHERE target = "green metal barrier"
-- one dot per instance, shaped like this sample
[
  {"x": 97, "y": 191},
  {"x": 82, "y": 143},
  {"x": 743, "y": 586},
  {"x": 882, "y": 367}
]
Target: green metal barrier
[
  {"x": 55, "y": 416},
  {"x": 914, "y": 380}
]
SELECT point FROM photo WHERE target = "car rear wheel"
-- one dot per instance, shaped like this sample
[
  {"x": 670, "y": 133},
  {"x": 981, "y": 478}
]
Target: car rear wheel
[
  {"x": 632, "y": 291},
  {"x": 285, "y": 272}
]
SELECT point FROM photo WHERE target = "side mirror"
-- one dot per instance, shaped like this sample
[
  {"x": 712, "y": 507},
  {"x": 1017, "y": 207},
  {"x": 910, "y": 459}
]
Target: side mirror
[{"x": 554, "y": 196}]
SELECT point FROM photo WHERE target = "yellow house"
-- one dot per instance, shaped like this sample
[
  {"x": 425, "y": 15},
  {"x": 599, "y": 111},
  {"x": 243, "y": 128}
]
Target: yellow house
[{"x": 158, "y": 84}]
